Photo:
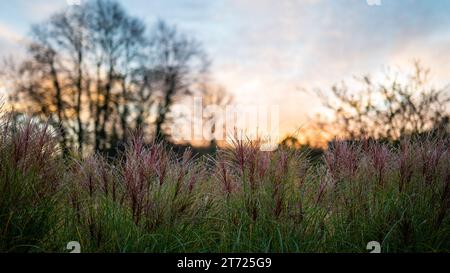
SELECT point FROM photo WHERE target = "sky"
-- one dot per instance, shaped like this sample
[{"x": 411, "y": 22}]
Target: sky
[{"x": 266, "y": 51}]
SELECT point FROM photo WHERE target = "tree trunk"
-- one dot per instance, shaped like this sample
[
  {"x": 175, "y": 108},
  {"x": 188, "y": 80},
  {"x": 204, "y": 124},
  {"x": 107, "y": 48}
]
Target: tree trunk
[{"x": 59, "y": 108}]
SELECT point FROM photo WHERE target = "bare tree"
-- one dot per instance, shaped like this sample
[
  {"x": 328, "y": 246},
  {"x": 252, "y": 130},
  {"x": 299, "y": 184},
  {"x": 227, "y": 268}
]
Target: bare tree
[
  {"x": 69, "y": 32},
  {"x": 96, "y": 73},
  {"x": 400, "y": 105},
  {"x": 180, "y": 62},
  {"x": 116, "y": 40},
  {"x": 43, "y": 81}
]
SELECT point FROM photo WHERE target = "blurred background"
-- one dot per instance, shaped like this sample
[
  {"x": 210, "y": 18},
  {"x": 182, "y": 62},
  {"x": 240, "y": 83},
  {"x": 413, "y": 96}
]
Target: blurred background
[{"x": 97, "y": 70}]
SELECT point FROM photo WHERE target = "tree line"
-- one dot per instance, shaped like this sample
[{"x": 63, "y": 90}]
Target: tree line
[
  {"x": 400, "y": 104},
  {"x": 97, "y": 73}
]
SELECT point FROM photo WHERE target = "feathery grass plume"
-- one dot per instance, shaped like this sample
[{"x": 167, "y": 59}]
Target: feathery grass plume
[
  {"x": 137, "y": 169},
  {"x": 31, "y": 169},
  {"x": 405, "y": 159},
  {"x": 241, "y": 199},
  {"x": 243, "y": 155},
  {"x": 445, "y": 199},
  {"x": 223, "y": 174},
  {"x": 342, "y": 160},
  {"x": 380, "y": 156},
  {"x": 431, "y": 151}
]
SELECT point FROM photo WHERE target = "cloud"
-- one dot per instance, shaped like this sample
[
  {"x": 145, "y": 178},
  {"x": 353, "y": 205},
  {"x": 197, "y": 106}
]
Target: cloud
[
  {"x": 271, "y": 49},
  {"x": 9, "y": 34},
  {"x": 40, "y": 9},
  {"x": 10, "y": 42},
  {"x": 263, "y": 50}
]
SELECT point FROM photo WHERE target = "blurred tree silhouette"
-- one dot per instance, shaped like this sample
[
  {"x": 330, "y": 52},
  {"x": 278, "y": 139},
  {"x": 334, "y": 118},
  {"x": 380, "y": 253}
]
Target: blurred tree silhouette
[
  {"x": 399, "y": 105},
  {"x": 180, "y": 61},
  {"x": 96, "y": 73}
]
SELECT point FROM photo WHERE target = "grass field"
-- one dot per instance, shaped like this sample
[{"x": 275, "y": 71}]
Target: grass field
[{"x": 240, "y": 200}]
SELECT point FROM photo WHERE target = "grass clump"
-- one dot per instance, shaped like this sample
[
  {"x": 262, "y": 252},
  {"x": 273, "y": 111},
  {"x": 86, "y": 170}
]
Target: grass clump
[{"x": 241, "y": 200}]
